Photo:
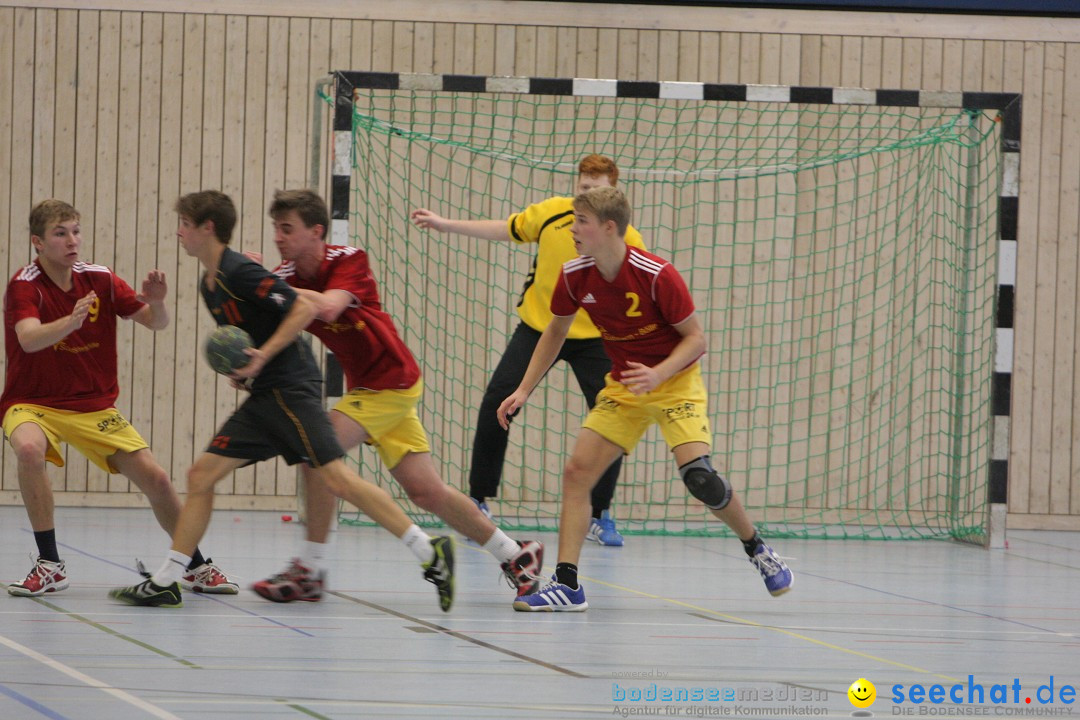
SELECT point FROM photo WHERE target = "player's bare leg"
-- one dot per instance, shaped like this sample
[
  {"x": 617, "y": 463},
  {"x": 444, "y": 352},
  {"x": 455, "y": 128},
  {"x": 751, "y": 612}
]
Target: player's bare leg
[
  {"x": 142, "y": 469},
  {"x": 776, "y": 574},
  {"x": 162, "y": 589},
  {"x": 30, "y": 445},
  {"x": 734, "y": 516},
  {"x": 209, "y": 469},
  {"x": 592, "y": 455},
  {"x": 48, "y": 574},
  {"x": 417, "y": 475}
]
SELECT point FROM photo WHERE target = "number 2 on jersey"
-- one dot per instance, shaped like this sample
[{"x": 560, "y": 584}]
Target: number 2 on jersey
[{"x": 633, "y": 311}]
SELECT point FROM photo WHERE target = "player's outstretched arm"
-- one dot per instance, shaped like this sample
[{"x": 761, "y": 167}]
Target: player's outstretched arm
[
  {"x": 154, "y": 289},
  {"x": 300, "y": 314},
  {"x": 329, "y": 304},
  {"x": 494, "y": 230},
  {"x": 33, "y": 335},
  {"x": 544, "y": 355}
]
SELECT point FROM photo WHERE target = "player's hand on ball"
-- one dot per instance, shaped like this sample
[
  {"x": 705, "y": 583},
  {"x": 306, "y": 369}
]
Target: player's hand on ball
[
  {"x": 640, "y": 379},
  {"x": 154, "y": 288},
  {"x": 509, "y": 408},
  {"x": 253, "y": 368}
]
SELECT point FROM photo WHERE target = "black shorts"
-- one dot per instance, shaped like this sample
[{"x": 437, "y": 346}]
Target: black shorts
[{"x": 289, "y": 422}]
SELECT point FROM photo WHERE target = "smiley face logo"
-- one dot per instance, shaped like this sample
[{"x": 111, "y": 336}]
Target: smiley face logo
[{"x": 862, "y": 693}]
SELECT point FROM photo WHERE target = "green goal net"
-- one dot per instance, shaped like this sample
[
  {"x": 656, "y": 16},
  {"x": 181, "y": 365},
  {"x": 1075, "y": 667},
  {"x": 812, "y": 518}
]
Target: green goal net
[{"x": 842, "y": 259}]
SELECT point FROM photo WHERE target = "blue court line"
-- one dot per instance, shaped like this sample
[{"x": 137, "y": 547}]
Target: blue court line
[
  {"x": 204, "y": 596},
  {"x": 31, "y": 703},
  {"x": 912, "y": 598}
]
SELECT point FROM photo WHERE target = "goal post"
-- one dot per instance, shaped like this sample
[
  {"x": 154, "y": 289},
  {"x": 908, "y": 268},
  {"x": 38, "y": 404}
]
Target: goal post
[{"x": 851, "y": 253}]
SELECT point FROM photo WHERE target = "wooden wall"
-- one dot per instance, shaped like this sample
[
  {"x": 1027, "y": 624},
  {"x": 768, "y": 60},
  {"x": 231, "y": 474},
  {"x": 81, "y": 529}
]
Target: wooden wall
[{"x": 121, "y": 106}]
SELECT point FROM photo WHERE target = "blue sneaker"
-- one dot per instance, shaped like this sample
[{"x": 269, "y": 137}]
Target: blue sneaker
[
  {"x": 603, "y": 531},
  {"x": 553, "y": 597},
  {"x": 483, "y": 508},
  {"x": 778, "y": 579}
]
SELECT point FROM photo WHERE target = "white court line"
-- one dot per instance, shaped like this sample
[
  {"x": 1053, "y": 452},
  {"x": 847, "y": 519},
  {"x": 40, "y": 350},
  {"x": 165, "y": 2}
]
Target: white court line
[{"x": 73, "y": 673}]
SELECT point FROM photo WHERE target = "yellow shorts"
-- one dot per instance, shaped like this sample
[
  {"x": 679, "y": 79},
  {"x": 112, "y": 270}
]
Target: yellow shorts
[
  {"x": 678, "y": 406},
  {"x": 97, "y": 435},
  {"x": 389, "y": 417}
]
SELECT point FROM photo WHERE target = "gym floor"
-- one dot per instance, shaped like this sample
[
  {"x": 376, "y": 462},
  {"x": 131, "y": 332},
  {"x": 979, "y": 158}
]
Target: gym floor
[{"x": 684, "y": 620}]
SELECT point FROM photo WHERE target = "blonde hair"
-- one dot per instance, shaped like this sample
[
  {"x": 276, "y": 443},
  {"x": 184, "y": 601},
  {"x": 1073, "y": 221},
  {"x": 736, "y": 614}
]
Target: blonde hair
[
  {"x": 50, "y": 212},
  {"x": 606, "y": 203}
]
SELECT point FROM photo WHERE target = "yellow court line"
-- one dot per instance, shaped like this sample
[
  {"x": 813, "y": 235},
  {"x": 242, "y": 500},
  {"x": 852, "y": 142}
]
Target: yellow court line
[
  {"x": 752, "y": 623},
  {"x": 744, "y": 621}
]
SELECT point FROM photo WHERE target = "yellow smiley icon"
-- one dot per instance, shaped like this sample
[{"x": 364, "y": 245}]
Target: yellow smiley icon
[{"x": 862, "y": 693}]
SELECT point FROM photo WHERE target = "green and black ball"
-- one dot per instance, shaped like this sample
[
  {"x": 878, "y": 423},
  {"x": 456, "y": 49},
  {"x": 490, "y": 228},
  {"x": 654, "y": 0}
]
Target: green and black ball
[{"x": 225, "y": 349}]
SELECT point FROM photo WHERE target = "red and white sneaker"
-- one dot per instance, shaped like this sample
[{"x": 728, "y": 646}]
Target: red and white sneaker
[
  {"x": 46, "y": 577},
  {"x": 208, "y": 578},
  {"x": 523, "y": 570},
  {"x": 295, "y": 582}
]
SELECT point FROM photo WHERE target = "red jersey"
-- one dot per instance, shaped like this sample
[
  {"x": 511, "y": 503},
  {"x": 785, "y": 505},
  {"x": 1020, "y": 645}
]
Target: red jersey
[
  {"x": 363, "y": 337},
  {"x": 78, "y": 372},
  {"x": 635, "y": 313}
]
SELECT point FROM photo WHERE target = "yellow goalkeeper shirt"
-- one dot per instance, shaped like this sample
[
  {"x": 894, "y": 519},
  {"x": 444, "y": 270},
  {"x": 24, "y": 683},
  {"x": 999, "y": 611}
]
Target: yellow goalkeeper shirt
[{"x": 548, "y": 225}]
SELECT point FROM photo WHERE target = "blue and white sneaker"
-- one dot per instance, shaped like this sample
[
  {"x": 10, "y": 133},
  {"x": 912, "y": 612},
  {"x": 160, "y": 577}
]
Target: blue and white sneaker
[
  {"x": 778, "y": 578},
  {"x": 603, "y": 531},
  {"x": 553, "y": 597}
]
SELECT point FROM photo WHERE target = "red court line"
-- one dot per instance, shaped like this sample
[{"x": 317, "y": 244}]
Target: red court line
[
  {"x": 704, "y": 637},
  {"x": 919, "y": 642},
  {"x": 287, "y": 627}
]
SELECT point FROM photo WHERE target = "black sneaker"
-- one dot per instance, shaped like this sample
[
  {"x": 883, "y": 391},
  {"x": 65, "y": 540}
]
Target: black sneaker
[
  {"x": 439, "y": 571},
  {"x": 148, "y": 594}
]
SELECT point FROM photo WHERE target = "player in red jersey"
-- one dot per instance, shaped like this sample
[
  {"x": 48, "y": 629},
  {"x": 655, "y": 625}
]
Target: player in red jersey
[
  {"x": 60, "y": 336},
  {"x": 384, "y": 389},
  {"x": 650, "y": 330}
]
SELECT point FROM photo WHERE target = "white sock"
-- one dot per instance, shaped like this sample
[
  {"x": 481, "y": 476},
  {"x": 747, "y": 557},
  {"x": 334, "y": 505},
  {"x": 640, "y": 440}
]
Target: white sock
[
  {"x": 419, "y": 542},
  {"x": 501, "y": 546},
  {"x": 313, "y": 555},
  {"x": 172, "y": 569}
]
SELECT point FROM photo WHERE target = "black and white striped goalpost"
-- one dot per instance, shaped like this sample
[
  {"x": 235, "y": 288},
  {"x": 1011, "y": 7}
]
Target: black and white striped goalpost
[{"x": 347, "y": 83}]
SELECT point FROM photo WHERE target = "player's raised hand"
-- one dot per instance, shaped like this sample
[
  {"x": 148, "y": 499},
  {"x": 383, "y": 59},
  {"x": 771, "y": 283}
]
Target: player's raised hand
[
  {"x": 427, "y": 220},
  {"x": 639, "y": 379},
  {"x": 510, "y": 406},
  {"x": 82, "y": 309},
  {"x": 154, "y": 288}
]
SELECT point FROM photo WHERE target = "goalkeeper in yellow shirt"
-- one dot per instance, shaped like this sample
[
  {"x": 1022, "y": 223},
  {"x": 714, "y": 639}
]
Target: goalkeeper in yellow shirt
[{"x": 547, "y": 224}]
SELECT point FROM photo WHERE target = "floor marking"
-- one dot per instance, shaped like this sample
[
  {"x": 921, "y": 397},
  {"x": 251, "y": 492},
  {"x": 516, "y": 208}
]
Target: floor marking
[
  {"x": 31, "y": 703},
  {"x": 204, "y": 596},
  {"x": 932, "y": 603},
  {"x": 713, "y": 616},
  {"x": 86, "y": 679},
  {"x": 459, "y": 635},
  {"x": 301, "y": 708},
  {"x": 115, "y": 633}
]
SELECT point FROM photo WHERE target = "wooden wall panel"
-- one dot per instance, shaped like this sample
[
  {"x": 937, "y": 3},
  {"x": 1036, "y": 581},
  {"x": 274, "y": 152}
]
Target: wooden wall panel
[{"x": 147, "y": 105}]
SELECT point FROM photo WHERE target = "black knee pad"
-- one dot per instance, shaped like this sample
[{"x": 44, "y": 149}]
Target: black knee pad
[{"x": 705, "y": 483}]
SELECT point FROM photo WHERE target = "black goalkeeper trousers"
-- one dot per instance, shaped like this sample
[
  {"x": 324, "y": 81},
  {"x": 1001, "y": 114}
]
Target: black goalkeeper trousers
[{"x": 589, "y": 363}]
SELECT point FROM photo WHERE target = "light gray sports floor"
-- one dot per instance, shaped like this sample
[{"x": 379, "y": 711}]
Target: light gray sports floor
[{"x": 667, "y": 615}]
